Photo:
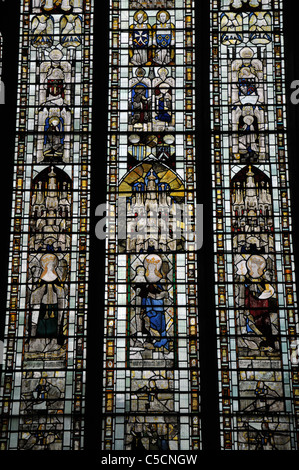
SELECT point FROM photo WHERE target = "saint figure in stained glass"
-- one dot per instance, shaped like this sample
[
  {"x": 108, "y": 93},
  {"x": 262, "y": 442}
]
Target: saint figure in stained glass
[
  {"x": 163, "y": 39},
  {"x": 140, "y": 39}
]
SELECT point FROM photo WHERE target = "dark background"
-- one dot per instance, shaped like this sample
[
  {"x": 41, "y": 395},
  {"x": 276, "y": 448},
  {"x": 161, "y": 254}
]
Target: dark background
[{"x": 9, "y": 26}]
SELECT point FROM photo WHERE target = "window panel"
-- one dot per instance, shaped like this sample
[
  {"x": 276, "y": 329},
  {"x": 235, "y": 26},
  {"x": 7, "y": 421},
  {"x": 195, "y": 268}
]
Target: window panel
[
  {"x": 256, "y": 321},
  {"x": 151, "y": 298},
  {"x": 45, "y": 335}
]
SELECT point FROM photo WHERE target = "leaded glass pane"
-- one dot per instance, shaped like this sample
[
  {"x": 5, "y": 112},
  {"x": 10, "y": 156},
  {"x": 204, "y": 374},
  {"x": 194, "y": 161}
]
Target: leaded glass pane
[
  {"x": 45, "y": 334},
  {"x": 256, "y": 319},
  {"x": 151, "y": 370}
]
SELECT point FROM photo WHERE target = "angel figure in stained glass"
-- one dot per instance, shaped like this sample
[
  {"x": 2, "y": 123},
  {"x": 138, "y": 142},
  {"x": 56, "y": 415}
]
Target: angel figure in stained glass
[
  {"x": 71, "y": 30},
  {"x": 54, "y": 116},
  {"x": 163, "y": 39},
  {"x": 260, "y": 28},
  {"x": 140, "y": 39},
  {"x": 231, "y": 27},
  {"x": 42, "y": 29},
  {"x": 55, "y": 79},
  {"x": 247, "y": 74}
]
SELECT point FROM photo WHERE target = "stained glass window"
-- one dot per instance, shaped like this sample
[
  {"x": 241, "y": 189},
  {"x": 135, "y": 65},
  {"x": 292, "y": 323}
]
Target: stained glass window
[
  {"x": 156, "y": 361},
  {"x": 151, "y": 370},
  {"x": 43, "y": 379},
  {"x": 255, "y": 292}
]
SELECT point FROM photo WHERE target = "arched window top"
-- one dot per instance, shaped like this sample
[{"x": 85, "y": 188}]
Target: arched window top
[
  {"x": 253, "y": 172},
  {"x": 162, "y": 175}
]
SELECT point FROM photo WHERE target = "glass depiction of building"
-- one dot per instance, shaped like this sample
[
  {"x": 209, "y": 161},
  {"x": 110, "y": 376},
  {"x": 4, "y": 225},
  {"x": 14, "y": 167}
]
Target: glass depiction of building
[{"x": 124, "y": 333}]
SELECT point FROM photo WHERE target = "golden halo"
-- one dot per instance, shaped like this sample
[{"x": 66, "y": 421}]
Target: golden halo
[
  {"x": 166, "y": 13},
  {"x": 138, "y": 13}
]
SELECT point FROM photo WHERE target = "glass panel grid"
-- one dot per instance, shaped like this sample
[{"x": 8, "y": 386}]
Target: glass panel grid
[
  {"x": 43, "y": 380},
  {"x": 151, "y": 370},
  {"x": 256, "y": 316}
]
